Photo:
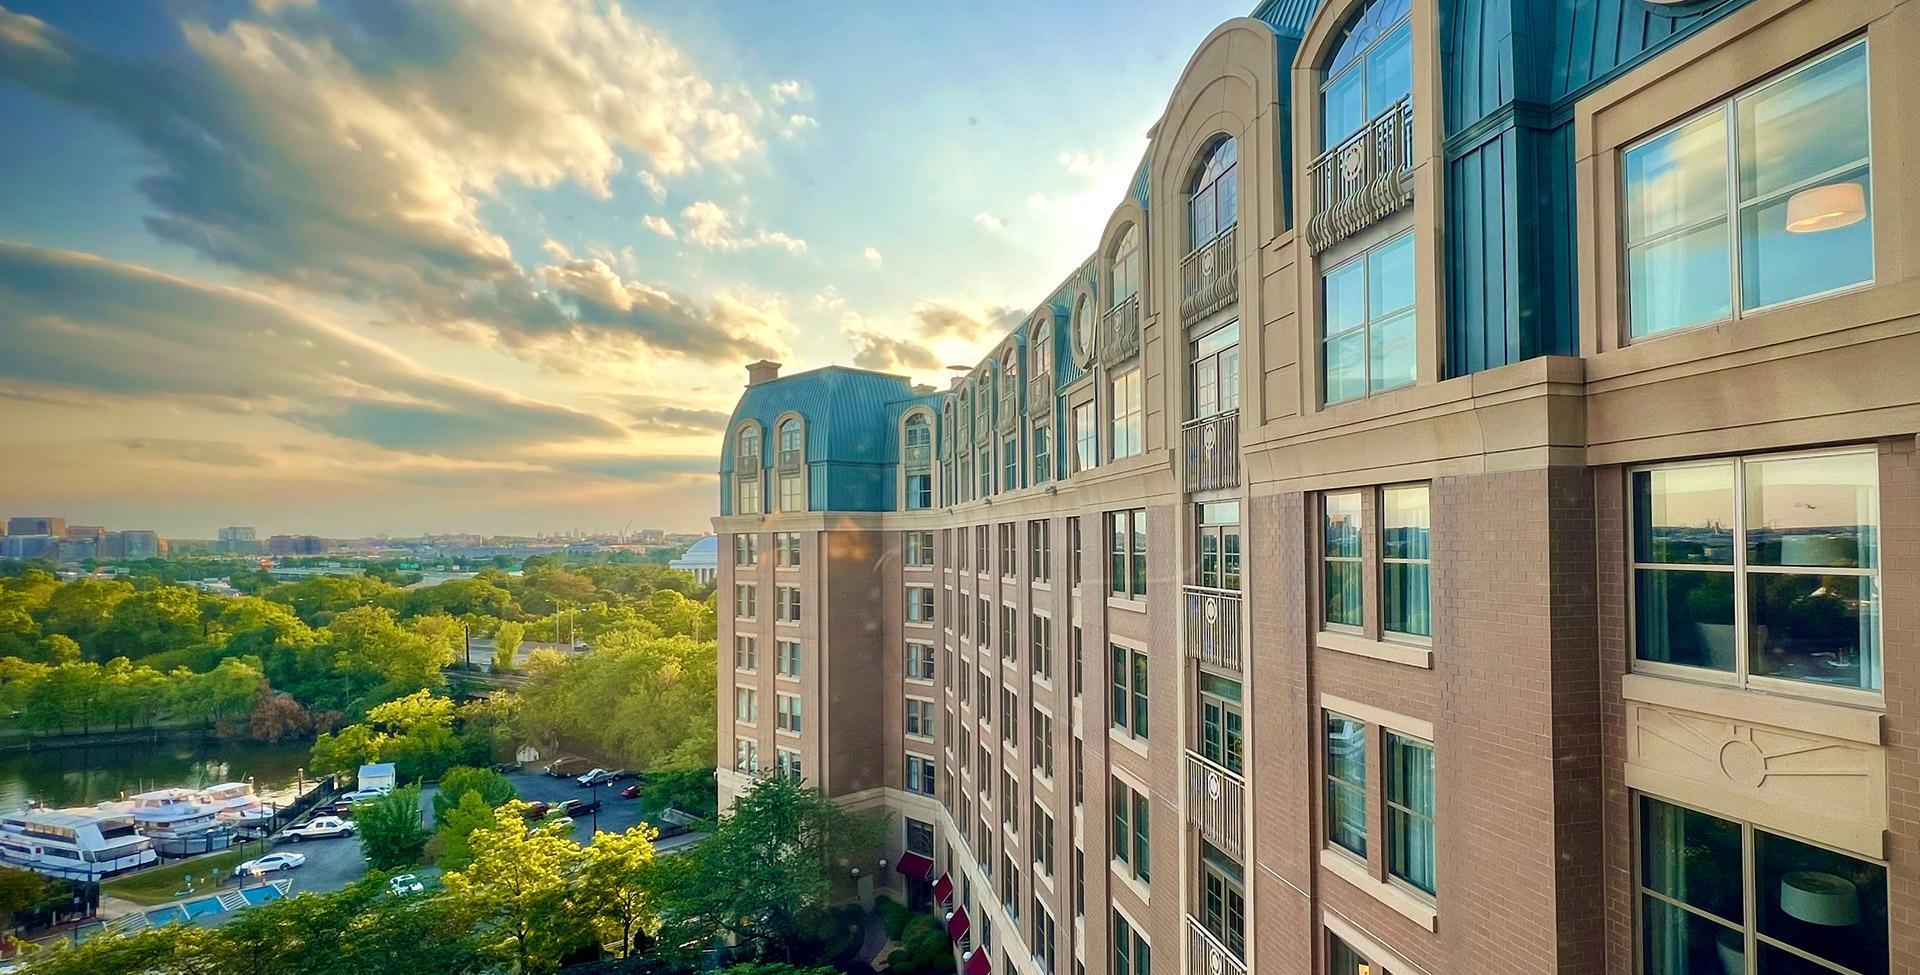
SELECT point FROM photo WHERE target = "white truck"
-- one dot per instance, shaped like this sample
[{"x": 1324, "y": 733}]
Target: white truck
[{"x": 320, "y": 828}]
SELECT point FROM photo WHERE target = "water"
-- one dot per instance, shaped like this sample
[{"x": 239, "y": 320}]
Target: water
[{"x": 84, "y": 776}]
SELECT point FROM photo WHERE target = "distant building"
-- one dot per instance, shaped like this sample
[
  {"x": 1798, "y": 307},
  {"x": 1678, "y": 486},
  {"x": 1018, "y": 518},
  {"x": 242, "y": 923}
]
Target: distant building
[
  {"x": 650, "y": 536},
  {"x": 80, "y": 549},
  {"x": 703, "y": 559},
  {"x": 296, "y": 545},
  {"x": 94, "y": 532},
  {"x": 36, "y": 526},
  {"x": 29, "y": 546},
  {"x": 239, "y": 541},
  {"x": 131, "y": 545}
]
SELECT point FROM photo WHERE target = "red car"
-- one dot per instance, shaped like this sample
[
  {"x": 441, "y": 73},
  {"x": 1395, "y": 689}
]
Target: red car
[
  {"x": 630, "y": 792},
  {"x": 537, "y": 809}
]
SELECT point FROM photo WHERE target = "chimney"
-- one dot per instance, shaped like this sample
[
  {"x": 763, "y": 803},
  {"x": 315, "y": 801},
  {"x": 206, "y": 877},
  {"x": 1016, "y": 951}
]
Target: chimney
[
  {"x": 762, "y": 371},
  {"x": 922, "y": 389}
]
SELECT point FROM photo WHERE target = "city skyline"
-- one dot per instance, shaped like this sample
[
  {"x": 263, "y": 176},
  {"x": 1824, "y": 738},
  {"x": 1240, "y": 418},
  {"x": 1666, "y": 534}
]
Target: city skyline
[{"x": 420, "y": 310}]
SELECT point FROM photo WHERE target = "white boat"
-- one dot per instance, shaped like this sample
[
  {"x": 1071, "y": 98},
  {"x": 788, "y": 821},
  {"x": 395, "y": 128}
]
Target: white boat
[
  {"x": 177, "y": 822},
  {"x": 79, "y": 844},
  {"x": 234, "y": 802}
]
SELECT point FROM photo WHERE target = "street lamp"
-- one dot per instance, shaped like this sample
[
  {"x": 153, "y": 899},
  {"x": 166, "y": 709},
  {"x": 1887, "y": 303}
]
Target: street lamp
[
  {"x": 300, "y": 789},
  {"x": 596, "y": 806}
]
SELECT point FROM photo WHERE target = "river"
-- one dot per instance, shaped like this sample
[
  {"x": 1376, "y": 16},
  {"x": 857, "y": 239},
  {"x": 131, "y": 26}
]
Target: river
[{"x": 84, "y": 776}]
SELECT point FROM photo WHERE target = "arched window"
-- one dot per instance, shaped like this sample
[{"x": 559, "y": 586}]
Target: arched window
[
  {"x": 1213, "y": 198},
  {"x": 1370, "y": 72},
  {"x": 750, "y": 445},
  {"x": 1126, "y": 264},
  {"x": 790, "y": 442},
  {"x": 1042, "y": 353},
  {"x": 918, "y": 438}
]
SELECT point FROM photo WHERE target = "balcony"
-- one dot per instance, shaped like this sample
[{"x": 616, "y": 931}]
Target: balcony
[
  {"x": 917, "y": 456},
  {"x": 1213, "y": 628},
  {"x": 1040, "y": 394},
  {"x": 1211, "y": 451},
  {"x": 1216, "y": 805},
  {"x": 790, "y": 460},
  {"x": 1364, "y": 179},
  {"x": 1210, "y": 276},
  {"x": 1207, "y": 956},
  {"x": 1120, "y": 332},
  {"x": 1010, "y": 406}
]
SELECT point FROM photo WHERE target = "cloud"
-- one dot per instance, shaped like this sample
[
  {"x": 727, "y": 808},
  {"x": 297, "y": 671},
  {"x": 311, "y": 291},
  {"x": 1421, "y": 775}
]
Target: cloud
[
  {"x": 1036, "y": 201},
  {"x": 985, "y": 218},
  {"x": 710, "y": 225},
  {"x": 1082, "y": 163},
  {"x": 829, "y": 299},
  {"x": 873, "y": 350},
  {"x": 596, "y": 299},
  {"x": 119, "y": 331},
  {"x": 658, "y": 225},
  {"x": 872, "y": 255},
  {"x": 935, "y": 333},
  {"x": 655, "y": 189},
  {"x": 798, "y": 123},
  {"x": 208, "y": 453},
  {"x": 790, "y": 90},
  {"x": 350, "y": 151},
  {"x": 666, "y": 415}
]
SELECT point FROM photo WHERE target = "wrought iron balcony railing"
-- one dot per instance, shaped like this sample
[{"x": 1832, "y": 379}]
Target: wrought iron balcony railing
[
  {"x": 1210, "y": 276},
  {"x": 1217, "y": 805},
  {"x": 1040, "y": 394},
  {"x": 1211, "y": 449},
  {"x": 1120, "y": 328},
  {"x": 1213, "y": 628},
  {"x": 1206, "y": 955},
  {"x": 1363, "y": 179}
]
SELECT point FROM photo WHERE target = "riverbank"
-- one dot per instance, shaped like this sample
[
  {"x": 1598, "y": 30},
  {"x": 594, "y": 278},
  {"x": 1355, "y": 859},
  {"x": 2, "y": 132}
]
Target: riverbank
[
  {"x": 14, "y": 740},
  {"x": 87, "y": 774}
]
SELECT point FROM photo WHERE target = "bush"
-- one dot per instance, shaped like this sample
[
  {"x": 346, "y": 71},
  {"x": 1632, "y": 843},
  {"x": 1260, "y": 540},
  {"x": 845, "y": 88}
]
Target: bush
[
  {"x": 924, "y": 947},
  {"x": 893, "y": 915}
]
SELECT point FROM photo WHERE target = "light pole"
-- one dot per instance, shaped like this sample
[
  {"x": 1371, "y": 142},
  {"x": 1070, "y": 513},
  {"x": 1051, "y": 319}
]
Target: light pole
[
  {"x": 300, "y": 789},
  {"x": 596, "y": 806}
]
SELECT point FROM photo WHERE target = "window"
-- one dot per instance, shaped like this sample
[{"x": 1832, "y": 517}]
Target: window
[
  {"x": 746, "y": 756},
  {"x": 1009, "y": 716},
  {"x": 1009, "y": 560},
  {"x": 1222, "y": 724},
  {"x": 919, "y": 661},
  {"x": 1129, "y": 702},
  {"x": 1010, "y": 463},
  {"x": 981, "y": 549},
  {"x": 786, "y": 550},
  {"x": 792, "y": 491},
  {"x": 1130, "y": 831},
  {"x": 1073, "y": 551},
  {"x": 1040, "y": 349},
  {"x": 787, "y": 763},
  {"x": 746, "y": 705},
  {"x": 983, "y": 616},
  {"x": 1039, "y": 551},
  {"x": 1371, "y": 70},
  {"x": 787, "y": 605},
  {"x": 746, "y": 653},
  {"x": 1042, "y": 452},
  {"x": 786, "y": 715},
  {"x": 1009, "y": 634},
  {"x": 1010, "y": 803},
  {"x": 1009, "y": 889},
  {"x": 1131, "y": 956},
  {"x": 1341, "y": 578},
  {"x": 1086, "y": 330},
  {"x": 920, "y": 772},
  {"x": 746, "y": 550},
  {"x": 749, "y": 448},
  {"x": 919, "y": 547},
  {"x": 1342, "y": 959},
  {"x": 1043, "y": 745},
  {"x": 1213, "y": 197},
  {"x": 919, "y": 718},
  {"x": 1223, "y": 899},
  {"x": 1123, "y": 394},
  {"x": 1409, "y": 814},
  {"x": 1126, "y": 266},
  {"x": 786, "y": 658},
  {"x": 749, "y": 495},
  {"x": 1219, "y": 545},
  {"x": 985, "y": 458},
  {"x": 1079, "y": 663},
  {"x": 1368, "y": 323},
  {"x": 986, "y": 695},
  {"x": 1040, "y": 641},
  {"x": 920, "y": 604},
  {"x": 1346, "y": 761},
  {"x": 1722, "y": 896},
  {"x": 919, "y": 837},
  {"x": 1128, "y": 530},
  {"x": 1086, "y": 438},
  {"x": 1765, "y": 569},
  {"x": 746, "y": 603},
  {"x": 1044, "y": 935},
  {"x": 1764, "y": 199},
  {"x": 1043, "y": 839},
  {"x": 1214, "y": 372},
  {"x": 1405, "y": 561},
  {"x": 789, "y": 443},
  {"x": 918, "y": 459}
]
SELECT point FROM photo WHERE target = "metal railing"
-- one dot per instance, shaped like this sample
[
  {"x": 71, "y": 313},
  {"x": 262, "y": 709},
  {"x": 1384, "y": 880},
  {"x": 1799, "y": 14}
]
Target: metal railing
[
  {"x": 1210, "y": 447},
  {"x": 917, "y": 456},
  {"x": 1362, "y": 179},
  {"x": 1120, "y": 328},
  {"x": 1213, "y": 628},
  {"x": 1040, "y": 394},
  {"x": 1216, "y": 804},
  {"x": 790, "y": 460},
  {"x": 1206, "y": 955},
  {"x": 1210, "y": 276}
]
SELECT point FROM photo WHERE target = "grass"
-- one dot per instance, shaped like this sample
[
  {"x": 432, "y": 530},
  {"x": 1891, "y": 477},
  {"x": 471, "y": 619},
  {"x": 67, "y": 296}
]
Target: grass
[{"x": 162, "y": 884}]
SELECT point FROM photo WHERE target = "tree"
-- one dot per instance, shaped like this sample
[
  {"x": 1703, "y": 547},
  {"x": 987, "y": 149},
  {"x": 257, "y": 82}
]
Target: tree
[
  {"x": 391, "y": 836},
  {"x": 506, "y": 645},
  {"x": 693, "y": 790},
  {"x": 457, "y": 826},
  {"x": 518, "y": 883},
  {"x": 343, "y": 752},
  {"x": 59, "y": 648},
  {"x": 277, "y": 715},
  {"x": 19, "y": 890},
  {"x": 492, "y": 787},
  {"x": 778, "y": 968},
  {"x": 617, "y": 881},
  {"x": 166, "y": 618}
]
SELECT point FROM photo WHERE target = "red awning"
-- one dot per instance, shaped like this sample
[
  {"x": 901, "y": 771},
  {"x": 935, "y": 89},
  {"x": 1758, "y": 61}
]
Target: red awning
[
  {"x": 957, "y": 924},
  {"x": 978, "y": 963},
  {"x": 915, "y": 866},
  {"x": 943, "y": 888}
]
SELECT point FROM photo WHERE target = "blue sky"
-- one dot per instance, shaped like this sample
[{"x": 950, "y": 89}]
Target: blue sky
[{"x": 354, "y": 266}]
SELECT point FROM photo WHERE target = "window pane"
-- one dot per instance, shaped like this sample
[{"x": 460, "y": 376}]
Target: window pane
[
  {"x": 1139, "y": 554},
  {"x": 1346, "y": 298},
  {"x": 1227, "y": 200},
  {"x": 1684, "y": 617},
  {"x": 1393, "y": 353},
  {"x": 1346, "y": 367},
  {"x": 1343, "y": 525},
  {"x": 1390, "y": 71},
  {"x": 1780, "y": 263},
  {"x": 1674, "y": 941},
  {"x": 1390, "y": 277},
  {"x": 1692, "y": 857},
  {"x": 1410, "y": 840},
  {"x": 1404, "y": 525},
  {"x": 1807, "y": 123},
  {"x": 1679, "y": 281},
  {"x": 1814, "y": 511},
  {"x": 1678, "y": 179},
  {"x": 1684, "y": 515},
  {"x": 1346, "y": 750},
  {"x": 1405, "y": 598},
  {"x": 1201, "y": 209},
  {"x": 1822, "y": 629},
  {"x": 1347, "y": 817},
  {"x": 1342, "y": 108},
  {"x": 1826, "y": 904}
]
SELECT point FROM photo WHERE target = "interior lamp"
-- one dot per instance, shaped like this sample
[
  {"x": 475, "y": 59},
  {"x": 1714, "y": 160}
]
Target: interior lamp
[{"x": 1827, "y": 207}]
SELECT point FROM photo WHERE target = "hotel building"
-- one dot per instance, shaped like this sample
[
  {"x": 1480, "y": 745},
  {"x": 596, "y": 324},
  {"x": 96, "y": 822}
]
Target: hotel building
[{"x": 1458, "y": 521}]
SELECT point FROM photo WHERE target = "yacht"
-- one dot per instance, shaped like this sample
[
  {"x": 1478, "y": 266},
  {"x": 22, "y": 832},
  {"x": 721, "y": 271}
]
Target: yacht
[
  {"x": 78, "y": 844},
  {"x": 177, "y": 822},
  {"x": 234, "y": 802}
]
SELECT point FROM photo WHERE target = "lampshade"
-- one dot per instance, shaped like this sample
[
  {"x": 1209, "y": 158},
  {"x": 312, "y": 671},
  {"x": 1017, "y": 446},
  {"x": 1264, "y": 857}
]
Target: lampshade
[
  {"x": 1820, "y": 898},
  {"x": 1818, "y": 208}
]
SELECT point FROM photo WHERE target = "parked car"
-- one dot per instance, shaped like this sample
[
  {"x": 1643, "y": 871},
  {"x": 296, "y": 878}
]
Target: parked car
[
  {"x": 320, "y": 828},
  {"x": 578, "y": 807},
  {"x": 402, "y": 884},
  {"x": 362, "y": 795},
  {"x": 537, "y": 809},
  {"x": 567, "y": 768},
  {"x": 589, "y": 778},
  {"x": 604, "y": 777},
  {"x": 505, "y": 768},
  {"x": 631, "y": 792},
  {"x": 566, "y": 822},
  {"x": 271, "y": 863}
]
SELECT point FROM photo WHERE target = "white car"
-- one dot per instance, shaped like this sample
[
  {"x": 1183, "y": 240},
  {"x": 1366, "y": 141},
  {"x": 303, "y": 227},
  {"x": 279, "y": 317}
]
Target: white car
[
  {"x": 362, "y": 795},
  {"x": 271, "y": 863},
  {"x": 590, "y": 777},
  {"x": 402, "y": 884},
  {"x": 322, "y": 828}
]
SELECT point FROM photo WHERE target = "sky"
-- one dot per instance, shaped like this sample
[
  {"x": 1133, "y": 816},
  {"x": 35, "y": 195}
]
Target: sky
[{"x": 352, "y": 267}]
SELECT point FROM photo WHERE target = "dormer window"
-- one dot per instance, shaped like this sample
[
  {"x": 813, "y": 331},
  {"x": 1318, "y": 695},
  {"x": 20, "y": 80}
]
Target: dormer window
[
  {"x": 1213, "y": 200},
  {"x": 1042, "y": 351},
  {"x": 1370, "y": 72},
  {"x": 749, "y": 451},
  {"x": 918, "y": 461},
  {"x": 1126, "y": 264}
]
